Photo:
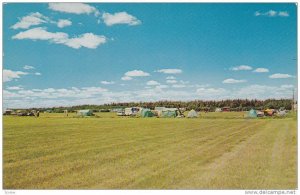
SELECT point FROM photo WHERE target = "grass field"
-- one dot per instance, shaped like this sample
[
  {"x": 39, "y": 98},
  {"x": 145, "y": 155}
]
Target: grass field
[{"x": 215, "y": 151}]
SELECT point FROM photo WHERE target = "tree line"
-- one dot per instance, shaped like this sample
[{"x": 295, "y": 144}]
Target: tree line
[{"x": 198, "y": 105}]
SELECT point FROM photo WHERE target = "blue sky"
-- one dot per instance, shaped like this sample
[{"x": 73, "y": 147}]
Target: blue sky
[{"x": 68, "y": 54}]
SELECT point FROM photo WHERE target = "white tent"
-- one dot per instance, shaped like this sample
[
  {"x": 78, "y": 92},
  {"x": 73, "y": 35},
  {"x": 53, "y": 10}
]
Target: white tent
[
  {"x": 218, "y": 110},
  {"x": 282, "y": 113},
  {"x": 192, "y": 114}
]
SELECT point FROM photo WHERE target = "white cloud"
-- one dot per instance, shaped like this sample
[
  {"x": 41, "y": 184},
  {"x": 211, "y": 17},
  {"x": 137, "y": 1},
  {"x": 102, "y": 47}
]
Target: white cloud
[
  {"x": 171, "y": 78},
  {"x": 41, "y": 34},
  {"x": 152, "y": 82},
  {"x": 280, "y": 76},
  {"x": 170, "y": 71},
  {"x": 232, "y": 81},
  {"x": 272, "y": 13},
  {"x": 63, "y": 23},
  {"x": 287, "y": 86},
  {"x": 26, "y": 67},
  {"x": 126, "y": 78},
  {"x": 120, "y": 18},
  {"x": 73, "y": 8},
  {"x": 38, "y": 73},
  {"x": 136, "y": 73},
  {"x": 50, "y": 97},
  {"x": 88, "y": 40},
  {"x": 14, "y": 88},
  {"x": 263, "y": 92},
  {"x": 32, "y": 19},
  {"x": 107, "y": 82},
  {"x": 283, "y": 14},
  {"x": 261, "y": 70},
  {"x": 171, "y": 81},
  {"x": 9, "y": 75},
  {"x": 162, "y": 86},
  {"x": 184, "y": 82},
  {"x": 241, "y": 67},
  {"x": 179, "y": 86}
]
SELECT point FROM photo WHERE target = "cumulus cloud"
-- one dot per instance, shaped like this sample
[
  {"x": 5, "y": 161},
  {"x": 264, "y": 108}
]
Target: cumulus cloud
[
  {"x": 178, "y": 86},
  {"x": 96, "y": 95},
  {"x": 264, "y": 92},
  {"x": 241, "y": 67},
  {"x": 152, "y": 82},
  {"x": 27, "y": 67},
  {"x": 209, "y": 93},
  {"x": 9, "y": 75},
  {"x": 184, "y": 82},
  {"x": 162, "y": 86},
  {"x": 63, "y": 23},
  {"x": 283, "y": 14},
  {"x": 32, "y": 19},
  {"x": 171, "y": 81},
  {"x": 136, "y": 73},
  {"x": 120, "y": 18},
  {"x": 171, "y": 78},
  {"x": 272, "y": 13},
  {"x": 37, "y": 73},
  {"x": 88, "y": 40},
  {"x": 280, "y": 76},
  {"x": 73, "y": 8},
  {"x": 170, "y": 71},
  {"x": 107, "y": 82},
  {"x": 14, "y": 88},
  {"x": 232, "y": 81},
  {"x": 261, "y": 70},
  {"x": 126, "y": 78}
]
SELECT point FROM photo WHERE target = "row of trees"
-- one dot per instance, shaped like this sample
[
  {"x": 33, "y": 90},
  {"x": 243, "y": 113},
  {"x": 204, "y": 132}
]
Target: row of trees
[{"x": 199, "y": 105}]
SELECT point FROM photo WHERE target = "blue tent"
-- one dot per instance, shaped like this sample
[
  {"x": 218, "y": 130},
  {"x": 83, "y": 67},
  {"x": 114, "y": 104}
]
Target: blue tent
[{"x": 252, "y": 113}]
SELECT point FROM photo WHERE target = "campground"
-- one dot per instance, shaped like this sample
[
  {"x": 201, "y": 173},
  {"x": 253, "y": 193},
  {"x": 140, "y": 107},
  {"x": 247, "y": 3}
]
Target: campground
[{"x": 221, "y": 150}]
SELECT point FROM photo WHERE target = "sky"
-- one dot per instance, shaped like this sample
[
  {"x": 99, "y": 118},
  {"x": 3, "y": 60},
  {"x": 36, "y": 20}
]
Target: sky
[{"x": 63, "y": 54}]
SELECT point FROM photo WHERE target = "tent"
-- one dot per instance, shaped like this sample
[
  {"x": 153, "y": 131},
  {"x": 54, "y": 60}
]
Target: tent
[
  {"x": 192, "y": 114},
  {"x": 146, "y": 113},
  {"x": 252, "y": 113},
  {"x": 269, "y": 112},
  {"x": 218, "y": 110},
  {"x": 159, "y": 110},
  {"x": 168, "y": 114},
  {"x": 260, "y": 113},
  {"x": 281, "y": 113},
  {"x": 85, "y": 113}
]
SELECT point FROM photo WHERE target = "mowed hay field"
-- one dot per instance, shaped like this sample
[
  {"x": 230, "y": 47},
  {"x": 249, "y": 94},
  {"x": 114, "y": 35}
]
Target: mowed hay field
[{"x": 215, "y": 151}]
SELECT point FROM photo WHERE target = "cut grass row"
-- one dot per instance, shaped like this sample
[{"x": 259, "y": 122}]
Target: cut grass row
[{"x": 128, "y": 153}]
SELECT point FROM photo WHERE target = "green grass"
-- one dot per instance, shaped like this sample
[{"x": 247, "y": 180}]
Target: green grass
[{"x": 215, "y": 151}]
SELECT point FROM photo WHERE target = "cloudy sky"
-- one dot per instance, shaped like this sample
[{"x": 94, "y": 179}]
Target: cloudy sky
[{"x": 61, "y": 54}]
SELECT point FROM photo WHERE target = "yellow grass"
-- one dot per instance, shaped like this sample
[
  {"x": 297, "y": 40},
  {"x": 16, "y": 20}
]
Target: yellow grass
[{"x": 216, "y": 151}]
